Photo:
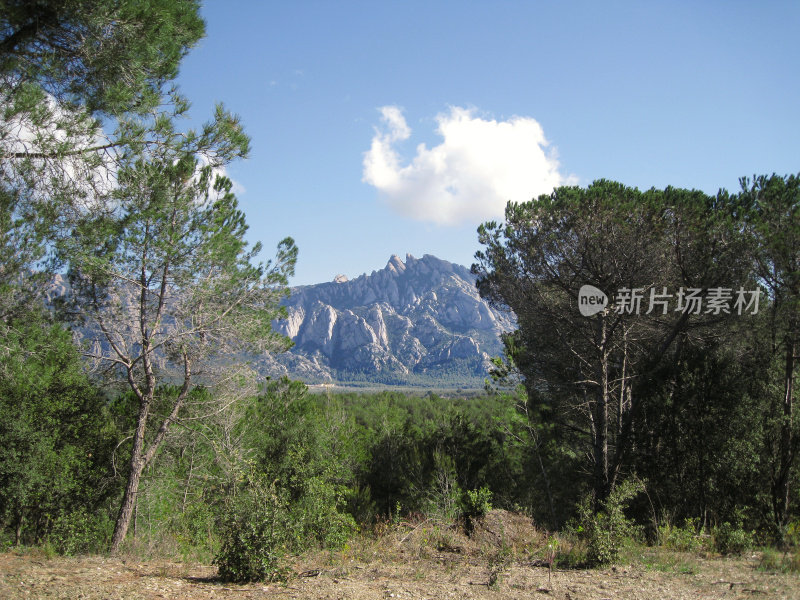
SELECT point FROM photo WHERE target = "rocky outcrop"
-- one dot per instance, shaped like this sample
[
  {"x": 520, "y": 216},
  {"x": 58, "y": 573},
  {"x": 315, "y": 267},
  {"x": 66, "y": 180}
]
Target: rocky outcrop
[{"x": 419, "y": 317}]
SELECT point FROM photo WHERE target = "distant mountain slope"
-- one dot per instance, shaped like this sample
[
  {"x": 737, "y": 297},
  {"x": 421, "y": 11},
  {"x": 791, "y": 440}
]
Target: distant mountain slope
[
  {"x": 418, "y": 322},
  {"x": 413, "y": 321}
]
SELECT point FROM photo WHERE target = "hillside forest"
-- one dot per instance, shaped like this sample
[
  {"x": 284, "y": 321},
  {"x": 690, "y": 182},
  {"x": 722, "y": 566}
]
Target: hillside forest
[{"x": 671, "y": 407}]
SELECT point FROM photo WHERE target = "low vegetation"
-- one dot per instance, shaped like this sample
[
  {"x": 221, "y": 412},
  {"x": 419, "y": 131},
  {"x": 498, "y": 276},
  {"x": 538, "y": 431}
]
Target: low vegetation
[
  {"x": 288, "y": 474},
  {"x": 504, "y": 556}
]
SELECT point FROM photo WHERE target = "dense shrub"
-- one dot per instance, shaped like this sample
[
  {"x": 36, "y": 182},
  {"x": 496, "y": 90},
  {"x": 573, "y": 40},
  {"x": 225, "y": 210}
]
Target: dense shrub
[
  {"x": 684, "y": 539},
  {"x": 255, "y": 536},
  {"x": 607, "y": 529},
  {"x": 475, "y": 504},
  {"x": 56, "y": 436},
  {"x": 264, "y": 525},
  {"x": 731, "y": 539},
  {"x": 317, "y": 517},
  {"x": 81, "y": 532}
]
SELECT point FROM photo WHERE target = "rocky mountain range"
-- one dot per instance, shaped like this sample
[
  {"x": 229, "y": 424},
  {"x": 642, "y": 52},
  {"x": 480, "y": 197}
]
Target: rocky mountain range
[{"x": 416, "y": 321}]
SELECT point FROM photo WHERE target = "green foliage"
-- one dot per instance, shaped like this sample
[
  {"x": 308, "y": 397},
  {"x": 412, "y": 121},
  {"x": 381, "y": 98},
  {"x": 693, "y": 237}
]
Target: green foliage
[
  {"x": 81, "y": 532},
  {"x": 771, "y": 207},
  {"x": 476, "y": 503},
  {"x": 167, "y": 238},
  {"x": 113, "y": 57},
  {"x": 21, "y": 247},
  {"x": 422, "y": 451},
  {"x": 64, "y": 66},
  {"x": 320, "y": 516},
  {"x": 607, "y": 529},
  {"x": 310, "y": 452},
  {"x": 256, "y": 536},
  {"x": 588, "y": 377},
  {"x": 703, "y": 453},
  {"x": 163, "y": 275},
  {"x": 264, "y": 525},
  {"x": 683, "y": 539},
  {"x": 294, "y": 494},
  {"x": 731, "y": 539},
  {"x": 55, "y": 434}
]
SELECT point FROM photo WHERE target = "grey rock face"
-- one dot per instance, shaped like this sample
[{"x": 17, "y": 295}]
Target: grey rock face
[{"x": 421, "y": 316}]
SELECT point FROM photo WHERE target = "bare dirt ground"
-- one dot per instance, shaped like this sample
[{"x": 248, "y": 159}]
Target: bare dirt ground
[{"x": 412, "y": 562}]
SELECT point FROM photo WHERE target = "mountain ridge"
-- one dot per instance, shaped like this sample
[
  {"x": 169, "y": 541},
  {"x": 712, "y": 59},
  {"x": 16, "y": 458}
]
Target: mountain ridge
[
  {"x": 418, "y": 322},
  {"x": 421, "y": 320}
]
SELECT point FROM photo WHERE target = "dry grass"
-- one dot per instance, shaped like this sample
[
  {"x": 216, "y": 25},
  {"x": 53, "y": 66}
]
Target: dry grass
[{"x": 504, "y": 558}]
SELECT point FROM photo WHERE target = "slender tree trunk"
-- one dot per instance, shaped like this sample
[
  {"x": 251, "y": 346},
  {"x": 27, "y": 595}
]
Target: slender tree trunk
[
  {"x": 780, "y": 494},
  {"x": 601, "y": 484},
  {"x": 18, "y": 528},
  {"x": 141, "y": 457}
]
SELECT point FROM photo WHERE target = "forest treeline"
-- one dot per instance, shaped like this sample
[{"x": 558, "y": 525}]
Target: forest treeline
[
  {"x": 686, "y": 377},
  {"x": 286, "y": 470},
  {"x": 674, "y": 402}
]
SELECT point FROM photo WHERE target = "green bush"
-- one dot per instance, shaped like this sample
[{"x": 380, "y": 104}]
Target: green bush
[
  {"x": 730, "y": 539},
  {"x": 317, "y": 518},
  {"x": 607, "y": 529},
  {"x": 476, "y": 503},
  {"x": 264, "y": 526},
  {"x": 79, "y": 532},
  {"x": 255, "y": 536},
  {"x": 683, "y": 539}
]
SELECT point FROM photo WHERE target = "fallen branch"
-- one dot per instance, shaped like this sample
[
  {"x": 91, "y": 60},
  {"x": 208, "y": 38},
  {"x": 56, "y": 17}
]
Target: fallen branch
[{"x": 729, "y": 583}]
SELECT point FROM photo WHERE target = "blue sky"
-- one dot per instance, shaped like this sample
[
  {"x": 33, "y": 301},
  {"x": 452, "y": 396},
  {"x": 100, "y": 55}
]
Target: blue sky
[{"x": 383, "y": 128}]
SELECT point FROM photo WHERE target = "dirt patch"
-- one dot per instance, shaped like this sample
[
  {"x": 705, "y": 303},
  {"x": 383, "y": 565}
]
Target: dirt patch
[
  {"x": 439, "y": 576},
  {"x": 407, "y": 561}
]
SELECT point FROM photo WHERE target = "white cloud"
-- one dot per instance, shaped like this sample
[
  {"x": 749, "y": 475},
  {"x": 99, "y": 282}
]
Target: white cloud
[
  {"x": 89, "y": 173},
  {"x": 479, "y": 166}
]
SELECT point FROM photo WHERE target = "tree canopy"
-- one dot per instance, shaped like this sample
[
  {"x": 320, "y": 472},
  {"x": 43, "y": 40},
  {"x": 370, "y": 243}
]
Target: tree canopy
[
  {"x": 680, "y": 271},
  {"x": 110, "y": 57},
  {"x": 97, "y": 176}
]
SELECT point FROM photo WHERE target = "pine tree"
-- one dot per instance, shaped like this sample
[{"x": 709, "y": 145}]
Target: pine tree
[{"x": 162, "y": 275}]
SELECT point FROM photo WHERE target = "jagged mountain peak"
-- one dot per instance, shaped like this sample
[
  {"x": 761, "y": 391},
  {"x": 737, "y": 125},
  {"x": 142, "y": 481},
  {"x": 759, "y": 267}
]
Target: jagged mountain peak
[
  {"x": 428, "y": 265},
  {"x": 419, "y": 316},
  {"x": 395, "y": 265}
]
